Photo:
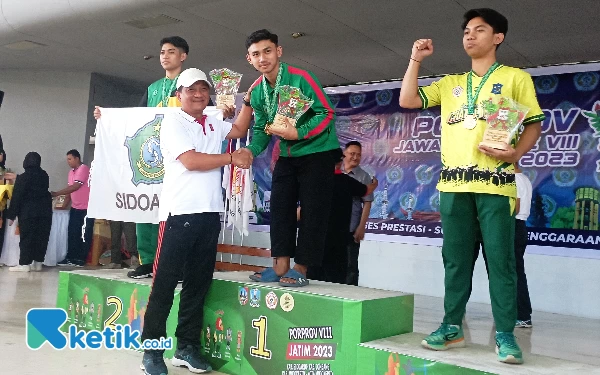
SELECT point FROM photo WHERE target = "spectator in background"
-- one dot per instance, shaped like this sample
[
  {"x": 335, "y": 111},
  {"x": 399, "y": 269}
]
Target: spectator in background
[
  {"x": 361, "y": 207},
  {"x": 77, "y": 248},
  {"x": 334, "y": 267},
  {"x": 2, "y": 208},
  {"x": 524, "y": 190},
  {"x": 32, "y": 204}
]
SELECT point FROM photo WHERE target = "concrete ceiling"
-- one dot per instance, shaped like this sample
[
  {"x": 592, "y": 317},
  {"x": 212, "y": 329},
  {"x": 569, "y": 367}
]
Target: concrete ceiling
[{"x": 346, "y": 41}]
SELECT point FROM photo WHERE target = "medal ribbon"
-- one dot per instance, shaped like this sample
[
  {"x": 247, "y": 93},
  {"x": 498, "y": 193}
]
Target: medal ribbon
[
  {"x": 471, "y": 99},
  {"x": 166, "y": 95},
  {"x": 271, "y": 105}
]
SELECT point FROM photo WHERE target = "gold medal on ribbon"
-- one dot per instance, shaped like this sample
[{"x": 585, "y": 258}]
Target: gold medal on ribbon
[{"x": 470, "y": 122}]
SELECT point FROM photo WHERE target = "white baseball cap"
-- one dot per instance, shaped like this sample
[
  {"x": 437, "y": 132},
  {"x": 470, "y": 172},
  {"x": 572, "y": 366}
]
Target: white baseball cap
[{"x": 190, "y": 76}]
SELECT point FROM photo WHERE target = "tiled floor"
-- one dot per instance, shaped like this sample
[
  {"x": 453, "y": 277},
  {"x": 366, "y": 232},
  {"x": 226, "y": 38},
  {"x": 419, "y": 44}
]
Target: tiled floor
[{"x": 553, "y": 335}]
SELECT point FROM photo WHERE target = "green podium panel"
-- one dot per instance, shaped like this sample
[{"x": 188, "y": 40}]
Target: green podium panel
[
  {"x": 100, "y": 298},
  {"x": 403, "y": 355},
  {"x": 261, "y": 328},
  {"x": 252, "y": 328},
  {"x": 386, "y": 362}
]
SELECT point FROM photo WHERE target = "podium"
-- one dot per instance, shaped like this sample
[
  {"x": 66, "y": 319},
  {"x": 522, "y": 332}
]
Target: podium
[
  {"x": 252, "y": 328},
  {"x": 322, "y": 329}
]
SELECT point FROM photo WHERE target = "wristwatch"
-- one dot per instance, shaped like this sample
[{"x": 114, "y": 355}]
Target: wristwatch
[{"x": 245, "y": 101}]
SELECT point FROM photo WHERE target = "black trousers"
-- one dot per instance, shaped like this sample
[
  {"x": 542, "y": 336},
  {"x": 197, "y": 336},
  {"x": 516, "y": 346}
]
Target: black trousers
[
  {"x": 353, "y": 249},
  {"x": 3, "y": 229},
  {"x": 35, "y": 233},
  {"x": 523, "y": 301},
  {"x": 77, "y": 249},
  {"x": 189, "y": 242},
  {"x": 334, "y": 268},
  {"x": 117, "y": 229},
  {"x": 308, "y": 179},
  {"x": 524, "y": 309}
]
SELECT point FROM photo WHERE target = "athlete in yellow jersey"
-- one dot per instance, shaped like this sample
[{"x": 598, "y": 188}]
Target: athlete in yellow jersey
[{"x": 477, "y": 184}]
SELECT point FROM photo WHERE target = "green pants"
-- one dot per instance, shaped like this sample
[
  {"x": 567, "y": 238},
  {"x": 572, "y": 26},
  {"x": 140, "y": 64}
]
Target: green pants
[
  {"x": 147, "y": 241},
  {"x": 461, "y": 213}
]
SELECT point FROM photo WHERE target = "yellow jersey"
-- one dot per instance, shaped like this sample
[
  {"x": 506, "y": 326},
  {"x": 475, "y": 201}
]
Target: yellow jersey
[{"x": 464, "y": 167}]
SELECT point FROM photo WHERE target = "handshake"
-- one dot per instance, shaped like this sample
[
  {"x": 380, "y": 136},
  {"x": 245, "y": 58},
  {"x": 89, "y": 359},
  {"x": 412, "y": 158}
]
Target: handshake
[{"x": 242, "y": 158}]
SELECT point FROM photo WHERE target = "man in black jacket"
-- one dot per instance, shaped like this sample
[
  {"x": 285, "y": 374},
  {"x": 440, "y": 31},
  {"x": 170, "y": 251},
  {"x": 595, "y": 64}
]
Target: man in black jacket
[{"x": 334, "y": 267}]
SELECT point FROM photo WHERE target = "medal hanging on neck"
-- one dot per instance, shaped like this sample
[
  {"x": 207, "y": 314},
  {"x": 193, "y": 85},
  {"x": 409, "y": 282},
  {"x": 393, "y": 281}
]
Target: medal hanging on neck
[
  {"x": 470, "y": 121},
  {"x": 167, "y": 94},
  {"x": 271, "y": 105}
]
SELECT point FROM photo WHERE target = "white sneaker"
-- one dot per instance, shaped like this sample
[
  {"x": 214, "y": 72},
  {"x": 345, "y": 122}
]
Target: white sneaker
[
  {"x": 35, "y": 266},
  {"x": 20, "y": 268}
]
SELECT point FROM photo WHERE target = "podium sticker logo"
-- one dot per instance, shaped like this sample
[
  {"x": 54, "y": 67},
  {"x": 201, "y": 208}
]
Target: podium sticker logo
[
  {"x": 286, "y": 302},
  {"x": 243, "y": 295},
  {"x": 271, "y": 300},
  {"x": 254, "y": 297}
]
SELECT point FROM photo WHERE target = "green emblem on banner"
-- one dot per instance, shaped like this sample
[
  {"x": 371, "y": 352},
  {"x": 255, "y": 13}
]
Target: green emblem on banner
[{"x": 145, "y": 158}]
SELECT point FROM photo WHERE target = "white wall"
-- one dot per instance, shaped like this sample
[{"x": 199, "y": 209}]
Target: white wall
[
  {"x": 562, "y": 285},
  {"x": 44, "y": 112}
]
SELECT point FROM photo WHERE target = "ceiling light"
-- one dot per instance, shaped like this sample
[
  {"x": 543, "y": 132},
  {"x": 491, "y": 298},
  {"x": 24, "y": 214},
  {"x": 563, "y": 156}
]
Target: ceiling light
[
  {"x": 297, "y": 35},
  {"x": 24, "y": 45}
]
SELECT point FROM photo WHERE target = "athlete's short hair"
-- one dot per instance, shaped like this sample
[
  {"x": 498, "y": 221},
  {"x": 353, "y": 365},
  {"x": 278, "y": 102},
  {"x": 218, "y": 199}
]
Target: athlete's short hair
[
  {"x": 177, "y": 41},
  {"x": 497, "y": 21},
  {"x": 260, "y": 35}
]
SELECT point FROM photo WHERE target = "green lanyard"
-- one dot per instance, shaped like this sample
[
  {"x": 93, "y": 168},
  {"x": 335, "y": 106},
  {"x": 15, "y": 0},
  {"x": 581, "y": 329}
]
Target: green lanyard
[
  {"x": 271, "y": 105},
  {"x": 166, "y": 95},
  {"x": 471, "y": 99}
]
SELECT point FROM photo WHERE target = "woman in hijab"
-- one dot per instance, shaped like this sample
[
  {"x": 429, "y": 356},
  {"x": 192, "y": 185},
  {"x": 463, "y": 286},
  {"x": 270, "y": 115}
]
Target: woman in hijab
[{"x": 32, "y": 204}]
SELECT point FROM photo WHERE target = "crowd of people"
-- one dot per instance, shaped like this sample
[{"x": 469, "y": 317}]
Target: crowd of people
[{"x": 312, "y": 171}]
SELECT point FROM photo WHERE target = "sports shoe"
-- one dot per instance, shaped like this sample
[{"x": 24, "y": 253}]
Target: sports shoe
[
  {"x": 153, "y": 363},
  {"x": 142, "y": 272},
  {"x": 190, "y": 358},
  {"x": 507, "y": 348},
  {"x": 35, "y": 266},
  {"x": 523, "y": 324},
  {"x": 64, "y": 263},
  {"x": 447, "y": 336},
  {"x": 135, "y": 262},
  {"x": 20, "y": 268}
]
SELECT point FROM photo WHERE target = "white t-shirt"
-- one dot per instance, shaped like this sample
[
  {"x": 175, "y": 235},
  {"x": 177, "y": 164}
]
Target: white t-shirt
[
  {"x": 185, "y": 191},
  {"x": 524, "y": 194}
]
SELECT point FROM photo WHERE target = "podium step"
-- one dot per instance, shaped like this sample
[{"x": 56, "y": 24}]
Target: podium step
[{"x": 403, "y": 354}]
